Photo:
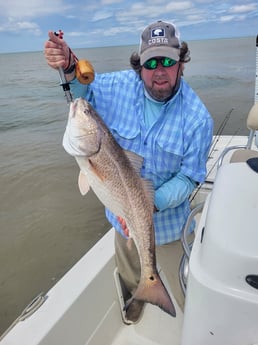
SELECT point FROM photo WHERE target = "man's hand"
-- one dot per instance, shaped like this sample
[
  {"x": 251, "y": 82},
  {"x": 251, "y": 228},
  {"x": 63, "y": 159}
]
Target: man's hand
[{"x": 57, "y": 52}]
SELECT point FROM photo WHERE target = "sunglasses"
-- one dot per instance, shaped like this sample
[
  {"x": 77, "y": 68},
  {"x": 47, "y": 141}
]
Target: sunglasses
[{"x": 153, "y": 63}]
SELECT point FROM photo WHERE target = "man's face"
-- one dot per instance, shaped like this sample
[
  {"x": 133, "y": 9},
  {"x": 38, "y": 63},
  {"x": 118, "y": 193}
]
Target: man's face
[{"x": 160, "y": 82}]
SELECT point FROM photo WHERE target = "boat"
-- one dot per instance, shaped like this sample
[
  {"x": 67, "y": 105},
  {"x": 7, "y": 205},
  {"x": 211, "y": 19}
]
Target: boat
[{"x": 218, "y": 272}]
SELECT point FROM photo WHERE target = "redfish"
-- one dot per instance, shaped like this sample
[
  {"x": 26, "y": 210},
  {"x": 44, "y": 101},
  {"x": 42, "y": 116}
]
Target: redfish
[{"x": 114, "y": 176}]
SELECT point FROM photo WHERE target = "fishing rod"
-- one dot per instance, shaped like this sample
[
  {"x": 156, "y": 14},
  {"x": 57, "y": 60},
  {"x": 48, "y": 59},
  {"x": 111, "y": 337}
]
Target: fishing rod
[
  {"x": 220, "y": 131},
  {"x": 256, "y": 78},
  {"x": 254, "y": 133},
  {"x": 84, "y": 71},
  {"x": 212, "y": 149},
  {"x": 256, "y": 86},
  {"x": 65, "y": 85},
  {"x": 63, "y": 82}
]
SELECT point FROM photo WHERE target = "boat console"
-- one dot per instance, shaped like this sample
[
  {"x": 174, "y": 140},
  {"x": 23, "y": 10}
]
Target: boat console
[{"x": 222, "y": 287}]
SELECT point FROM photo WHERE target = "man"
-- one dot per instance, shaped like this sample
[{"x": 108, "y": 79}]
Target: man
[{"x": 151, "y": 111}]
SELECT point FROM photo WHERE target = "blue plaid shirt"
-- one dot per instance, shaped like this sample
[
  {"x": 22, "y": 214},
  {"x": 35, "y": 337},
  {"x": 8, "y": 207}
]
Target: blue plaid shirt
[{"x": 178, "y": 142}]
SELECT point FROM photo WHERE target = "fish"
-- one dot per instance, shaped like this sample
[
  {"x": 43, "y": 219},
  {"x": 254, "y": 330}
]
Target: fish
[{"x": 114, "y": 176}]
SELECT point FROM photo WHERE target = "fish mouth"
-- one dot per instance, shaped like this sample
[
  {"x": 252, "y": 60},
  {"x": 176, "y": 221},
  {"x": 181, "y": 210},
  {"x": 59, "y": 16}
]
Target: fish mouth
[
  {"x": 73, "y": 106},
  {"x": 77, "y": 105}
]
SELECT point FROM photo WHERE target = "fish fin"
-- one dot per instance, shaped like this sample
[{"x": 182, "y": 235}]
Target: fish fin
[
  {"x": 149, "y": 190},
  {"x": 84, "y": 186},
  {"x": 135, "y": 160},
  {"x": 152, "y": 290}
]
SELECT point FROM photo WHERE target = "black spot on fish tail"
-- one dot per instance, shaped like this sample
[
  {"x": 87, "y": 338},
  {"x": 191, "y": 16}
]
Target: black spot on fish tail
[{"x": 153, "y": 291}]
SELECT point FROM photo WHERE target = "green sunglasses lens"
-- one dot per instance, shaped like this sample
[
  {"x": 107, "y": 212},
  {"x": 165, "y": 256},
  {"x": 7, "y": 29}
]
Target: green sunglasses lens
[
  {"x": 167, "y": 62},
  {"x": 153, "y": 63}
]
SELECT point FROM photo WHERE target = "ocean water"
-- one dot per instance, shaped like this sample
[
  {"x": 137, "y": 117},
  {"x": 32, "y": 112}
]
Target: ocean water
[{"x": 45, "y": 224}]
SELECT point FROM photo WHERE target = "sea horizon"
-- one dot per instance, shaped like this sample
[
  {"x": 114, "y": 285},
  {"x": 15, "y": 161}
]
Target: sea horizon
[{"x": 128, "y": 45}]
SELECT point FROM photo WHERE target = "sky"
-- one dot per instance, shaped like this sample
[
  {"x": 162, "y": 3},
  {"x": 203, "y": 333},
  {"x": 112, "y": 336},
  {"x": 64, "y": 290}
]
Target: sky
[{"x": 24, "y": 24}]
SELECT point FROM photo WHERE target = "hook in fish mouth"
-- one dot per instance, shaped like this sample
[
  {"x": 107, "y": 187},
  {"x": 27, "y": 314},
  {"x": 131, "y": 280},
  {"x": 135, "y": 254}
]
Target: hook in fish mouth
[{"x": 73, "y": 106}]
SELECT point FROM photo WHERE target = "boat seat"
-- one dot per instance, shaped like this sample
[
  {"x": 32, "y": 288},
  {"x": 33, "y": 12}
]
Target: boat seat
[
  {"x": 252, "y": 118},
  {"x": 243, "y": 155}
]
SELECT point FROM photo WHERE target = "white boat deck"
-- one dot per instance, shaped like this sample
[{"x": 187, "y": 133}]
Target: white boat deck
[{"x": 72, "y": 315}]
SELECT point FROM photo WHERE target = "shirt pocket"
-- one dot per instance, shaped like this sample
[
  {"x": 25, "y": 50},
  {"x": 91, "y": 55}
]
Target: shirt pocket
[
  {"x": 127, "y": 137},
  {"x": 167, "y": 163}
]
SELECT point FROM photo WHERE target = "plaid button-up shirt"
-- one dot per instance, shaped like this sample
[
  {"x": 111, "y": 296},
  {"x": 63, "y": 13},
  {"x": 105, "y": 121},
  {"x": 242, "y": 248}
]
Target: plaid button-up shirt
[{"x": 178, "y": 142}]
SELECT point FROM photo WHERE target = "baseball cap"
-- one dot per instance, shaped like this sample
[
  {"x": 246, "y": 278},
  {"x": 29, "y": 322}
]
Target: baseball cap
[{"x": 159, "y": 39}]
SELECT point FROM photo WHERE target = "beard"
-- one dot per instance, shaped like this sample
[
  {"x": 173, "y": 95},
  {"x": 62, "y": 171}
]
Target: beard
[{"x": 160, "y": 92}]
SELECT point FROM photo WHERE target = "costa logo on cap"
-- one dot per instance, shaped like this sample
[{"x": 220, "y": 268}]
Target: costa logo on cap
[
  {"x": 157, "y": 33},
  {"x": 159, "y": 39}
]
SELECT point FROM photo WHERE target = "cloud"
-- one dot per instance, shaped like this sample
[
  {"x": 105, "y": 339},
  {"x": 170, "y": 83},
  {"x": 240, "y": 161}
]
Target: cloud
[
  {"x": 30, "y": 9},
  {"x": 243, "y": 8},
  {"x": 110, "y": 2},
  {"x": 101, "y": 15},
  {"x": 192, "y": 18},
  {"x": 13, "y": 26},
  {"x": 238, "y": 12},
  {"x": 116, "y": 30},
  {"x": 75, "y": 33},
  {"x": 22, "y": 16},
  {"x": 139, "y": 10},
  {"x": 121, "y": 21},
  {"x": 179, "y": 6},
  {"x": 228, "y": 18},
  {"x": 204, "y": 1}
]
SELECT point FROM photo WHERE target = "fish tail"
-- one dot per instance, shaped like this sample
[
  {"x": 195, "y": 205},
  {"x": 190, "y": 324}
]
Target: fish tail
[{"x": 152, "y": 290}]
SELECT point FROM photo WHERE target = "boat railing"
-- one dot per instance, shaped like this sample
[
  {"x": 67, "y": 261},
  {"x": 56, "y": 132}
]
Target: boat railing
[
  {"x": 187, "y": 247},
  {"x": 227, "y": 150}
]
